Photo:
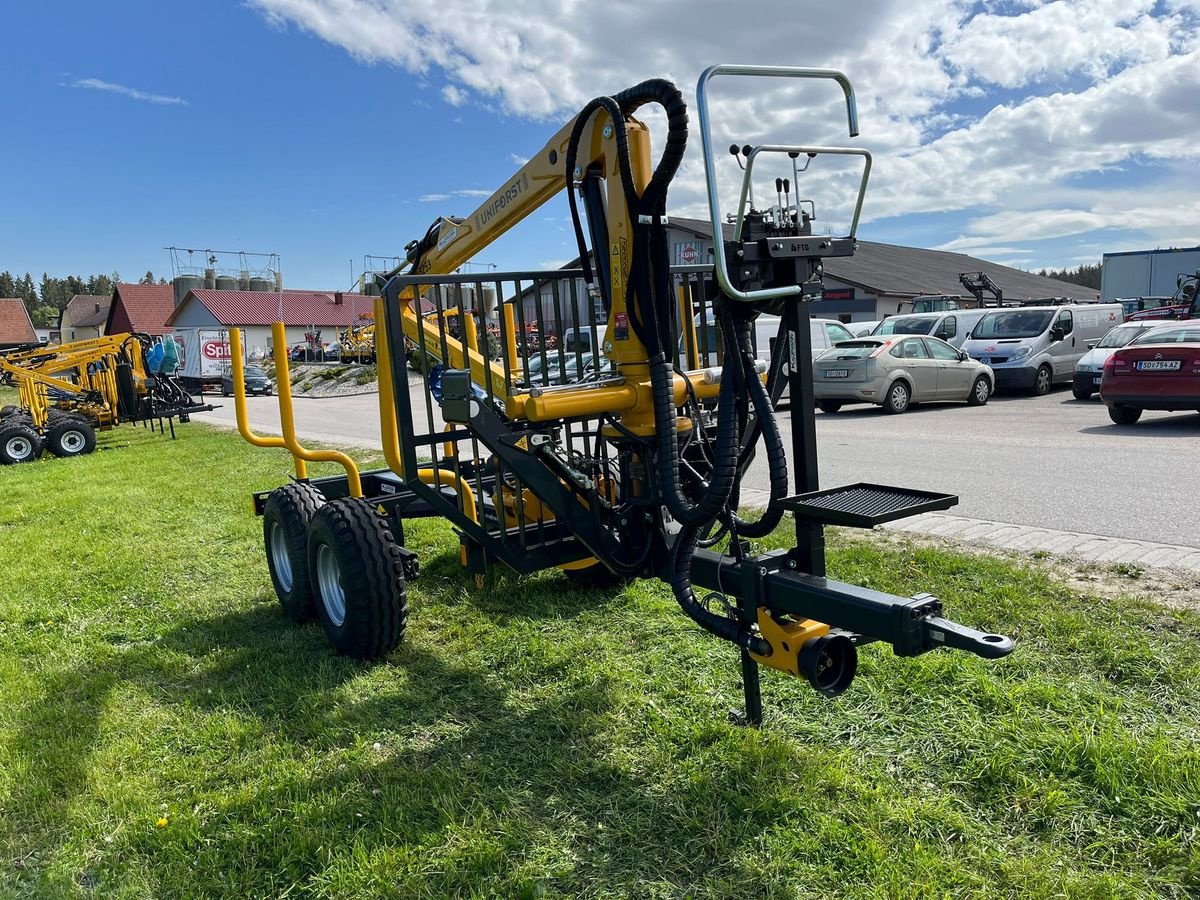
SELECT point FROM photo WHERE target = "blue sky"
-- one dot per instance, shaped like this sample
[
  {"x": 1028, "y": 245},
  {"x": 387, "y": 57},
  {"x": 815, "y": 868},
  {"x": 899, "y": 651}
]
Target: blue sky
[{"x": 1029, "y": 133}]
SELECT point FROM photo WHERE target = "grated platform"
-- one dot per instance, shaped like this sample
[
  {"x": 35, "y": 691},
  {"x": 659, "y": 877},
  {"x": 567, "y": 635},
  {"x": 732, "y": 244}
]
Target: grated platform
[{"x": 866, "y": 505}]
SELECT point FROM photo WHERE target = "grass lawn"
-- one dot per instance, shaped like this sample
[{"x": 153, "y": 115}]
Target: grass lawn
[{"x": 165, "y": 732}]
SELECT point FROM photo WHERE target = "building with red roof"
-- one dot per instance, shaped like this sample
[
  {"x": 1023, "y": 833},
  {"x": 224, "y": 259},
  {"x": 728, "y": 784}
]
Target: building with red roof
[
  {"x": 142, "y": 308},
  {"x": 15, "y": 325},
  {"x": 310, "y": 316}
]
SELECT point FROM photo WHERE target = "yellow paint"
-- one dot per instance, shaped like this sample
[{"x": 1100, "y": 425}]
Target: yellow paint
[
  {"x": 287, "y": 417},
  {"x": 238, "y": 374},
  {"x": 786, "y": 637}
]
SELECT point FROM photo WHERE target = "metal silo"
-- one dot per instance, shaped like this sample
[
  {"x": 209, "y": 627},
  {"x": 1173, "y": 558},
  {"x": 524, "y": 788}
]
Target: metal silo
[
  {"x": 261, "y": 284},
  {"x": 185, "y": 283},
  {"x": 226, "y": 283}
]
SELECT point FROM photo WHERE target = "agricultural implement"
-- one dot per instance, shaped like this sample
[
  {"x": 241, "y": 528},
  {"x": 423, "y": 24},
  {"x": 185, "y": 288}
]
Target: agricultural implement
[
  {"x": 69, "y": 392},
  {"x": 630, "y": 463}
]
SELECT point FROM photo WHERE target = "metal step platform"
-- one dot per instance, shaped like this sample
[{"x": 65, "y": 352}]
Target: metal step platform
[{"x": 865, "y": 505}]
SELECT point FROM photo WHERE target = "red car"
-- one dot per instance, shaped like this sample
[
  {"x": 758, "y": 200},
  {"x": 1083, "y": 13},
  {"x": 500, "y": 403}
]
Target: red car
[{"x": 1160, "y": 370}]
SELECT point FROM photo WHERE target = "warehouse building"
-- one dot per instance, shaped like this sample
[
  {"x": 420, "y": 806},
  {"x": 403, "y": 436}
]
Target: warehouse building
[{"x": 872, "y": 283}]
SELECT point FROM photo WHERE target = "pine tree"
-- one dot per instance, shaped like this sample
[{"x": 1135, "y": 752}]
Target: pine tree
[{"x": 8, "y": 285}]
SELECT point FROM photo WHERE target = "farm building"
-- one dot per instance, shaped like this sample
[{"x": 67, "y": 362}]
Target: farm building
[
  {"x": 16, "y": 328},
  {"x": 203, "y": 319},
  {"x": 84, "y": 317},
  {"x": 143, "y": 308}
]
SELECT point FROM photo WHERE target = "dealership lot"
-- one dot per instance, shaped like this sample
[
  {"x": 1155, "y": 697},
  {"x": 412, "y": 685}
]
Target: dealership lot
[{"x": 1050, "y": 462}]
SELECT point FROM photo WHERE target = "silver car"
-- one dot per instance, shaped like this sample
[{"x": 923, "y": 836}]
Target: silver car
[{"x": 895, "y": 372}]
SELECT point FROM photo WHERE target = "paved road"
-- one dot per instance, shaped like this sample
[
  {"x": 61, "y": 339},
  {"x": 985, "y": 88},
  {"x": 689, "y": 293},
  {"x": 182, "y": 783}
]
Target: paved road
[{"x": 1050, "y": 462}]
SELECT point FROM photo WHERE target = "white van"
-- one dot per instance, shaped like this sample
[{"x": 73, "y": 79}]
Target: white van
[
  {"x": 1035, "y": 347},
  {"x": 951, "y": 326}
]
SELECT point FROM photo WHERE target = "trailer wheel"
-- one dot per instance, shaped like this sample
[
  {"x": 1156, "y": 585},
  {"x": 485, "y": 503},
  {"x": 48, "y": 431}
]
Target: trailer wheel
[
  {"x": 357, "y": 574},
  {"x": 18, "y": 444},
  {"x": 71, "y": 437},
  {"x": 286, "y": 515}
]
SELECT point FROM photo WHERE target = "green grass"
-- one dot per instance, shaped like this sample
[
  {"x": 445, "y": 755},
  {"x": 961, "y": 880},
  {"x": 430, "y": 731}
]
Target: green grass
[{"x": 165, "y": 732}]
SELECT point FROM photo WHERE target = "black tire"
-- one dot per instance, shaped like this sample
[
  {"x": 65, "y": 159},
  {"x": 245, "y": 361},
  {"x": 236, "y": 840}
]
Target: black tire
[
  {"x": 898, "y": 397},
  {"x": 71, "y": 437},
  {"x": 9, "y": 410},
  {"x": 357, "y": 574},
  {"x": 286, "y": 516},
  {"x": 829, "y": 406},
  {"x": 1082, "y": 393},
  {"x": 1124, "y": 415},
  {"x": 19, "y": 444},
  {"x": 224, "y": 391},
  {"x": 1043, "y": 381},
  {"x": 981, "y": 392}
]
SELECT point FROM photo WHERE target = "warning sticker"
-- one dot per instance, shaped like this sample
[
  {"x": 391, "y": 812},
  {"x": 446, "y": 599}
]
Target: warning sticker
[{"x": 620, "y": 327}]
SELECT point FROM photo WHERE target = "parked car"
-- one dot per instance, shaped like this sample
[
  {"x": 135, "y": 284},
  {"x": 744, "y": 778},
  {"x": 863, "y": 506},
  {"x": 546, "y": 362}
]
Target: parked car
[
  {"x": 951, "y": 326},
  {"x": 861, "y": 329},
  {"x": 1035, "y": 347},
  {"x": 897, "y": 372},
  {"x": 1159, "y": 370},
  {"x": 570, "y": 368},
  {"x": 255, "y": 379},
  {"x": 1091, "y": 365}
]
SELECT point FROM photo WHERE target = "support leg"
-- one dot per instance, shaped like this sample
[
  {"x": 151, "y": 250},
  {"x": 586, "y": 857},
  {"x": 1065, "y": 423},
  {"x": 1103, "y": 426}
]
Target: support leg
[{"x": 752, "y": 714}]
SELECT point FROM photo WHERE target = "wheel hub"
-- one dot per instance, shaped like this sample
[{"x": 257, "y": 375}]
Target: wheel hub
[
  {"x": 329, "y": 578},
  {"x": 19, "y": 447},
  {"x": 280, "y": 557}
]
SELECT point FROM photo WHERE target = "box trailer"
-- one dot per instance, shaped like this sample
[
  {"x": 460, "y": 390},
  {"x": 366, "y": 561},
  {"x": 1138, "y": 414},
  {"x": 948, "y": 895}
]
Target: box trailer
[
  {"x": 204, "y": 355},
  {"x": 1146, "y": 273}
]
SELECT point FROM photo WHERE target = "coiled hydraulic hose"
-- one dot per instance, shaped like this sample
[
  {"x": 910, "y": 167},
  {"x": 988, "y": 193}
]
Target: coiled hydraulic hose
[{"x": 776, "y": 460}]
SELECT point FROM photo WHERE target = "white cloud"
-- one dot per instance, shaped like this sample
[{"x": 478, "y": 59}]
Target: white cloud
[
  {"x": 989, "y": 112},
  {"x": 95, "y": 84},
  {"x": 461, "y": 192},
  {"x": 517, "y": 160}
]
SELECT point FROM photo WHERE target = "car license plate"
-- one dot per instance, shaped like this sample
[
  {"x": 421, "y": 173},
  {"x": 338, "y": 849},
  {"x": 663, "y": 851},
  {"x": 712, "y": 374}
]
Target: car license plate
[
  {"x": 1095, "y": 379},
  {"x": 1158, "y": 365},
  {"x": 836, "y": 373}
]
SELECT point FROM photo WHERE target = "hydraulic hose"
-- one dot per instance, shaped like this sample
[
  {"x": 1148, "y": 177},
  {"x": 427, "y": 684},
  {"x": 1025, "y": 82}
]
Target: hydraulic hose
[
  {"x": 621, "y": 134},
  {"x": 725, "y": 453},
  {"x": 776, "y": 461},
  {"x": 681, "y": 586}
]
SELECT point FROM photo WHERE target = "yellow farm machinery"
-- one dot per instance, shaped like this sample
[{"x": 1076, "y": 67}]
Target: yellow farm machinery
[
  {"x": 603, "y": 420},
  {"x": 68, "y": 392}
]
